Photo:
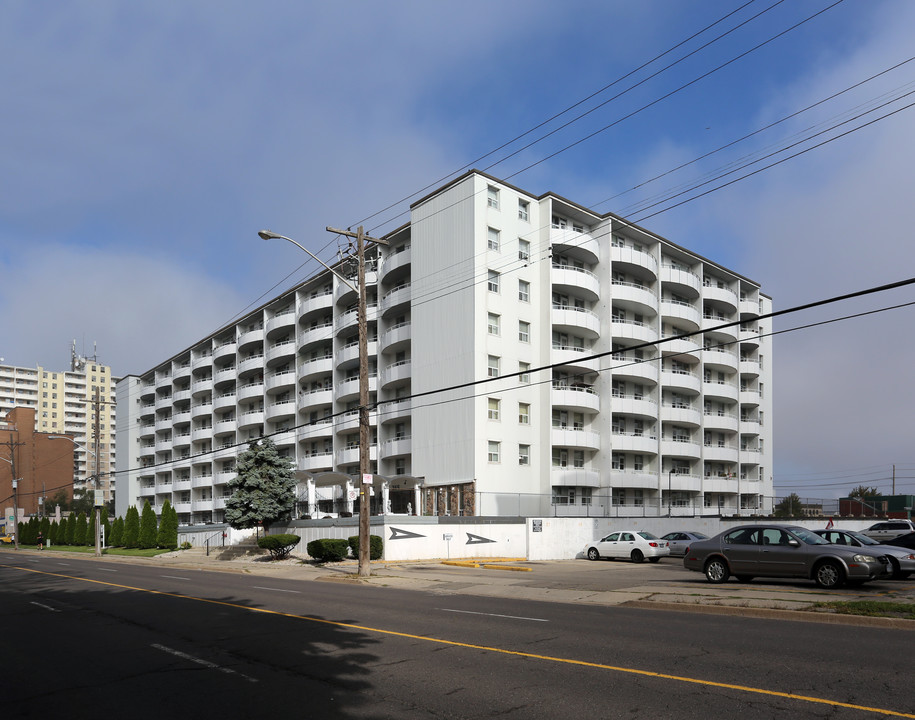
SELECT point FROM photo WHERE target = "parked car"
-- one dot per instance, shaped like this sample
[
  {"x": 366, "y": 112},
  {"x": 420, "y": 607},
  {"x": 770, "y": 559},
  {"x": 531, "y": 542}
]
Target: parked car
[
  {"x": 749, "y": 551},
  {"x": 901, "y": 559},
  {"x": 889, "y": 529},
  {"x": 6, "y": 539},
  {"x": 680, "y": 540},
  {"x": 633, "y": 544},
  {"x": 903, "y": 541}
]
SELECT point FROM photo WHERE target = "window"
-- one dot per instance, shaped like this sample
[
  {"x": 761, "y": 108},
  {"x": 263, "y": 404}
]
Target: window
[
  {"x": 524, "y": 210},
  {"x": 524, "y": 331},
  {"x": 638, "y": 462},
  {"x": 524, "y": 250},
  {"x": 524, "y": 454},
  {"x": 494, "y": 450},
  {"x": 493, "y": 283},
  {"x": 493, "y": 324},
  {"x": 524, "y": 291},
  {"x": 492, "y": 367},
  {"x": 492, "y": 197},
  {"x": 492, "y": 240},
  {"x": 493, "y": 409},
  {"x": 618, "y": 461},
  {"x": 525, "y": 370},
  {"x": 524, "y": 413}
]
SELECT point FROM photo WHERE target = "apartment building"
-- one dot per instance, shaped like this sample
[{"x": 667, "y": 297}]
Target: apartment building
[
  {"x": 64, "y": 402},
  {"x": 528, "y": 356}
]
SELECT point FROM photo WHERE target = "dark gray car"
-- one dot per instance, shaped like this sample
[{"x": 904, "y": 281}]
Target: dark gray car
[
  {"x": 749, "y": 551},
  {"x": 901, "y": 559}
]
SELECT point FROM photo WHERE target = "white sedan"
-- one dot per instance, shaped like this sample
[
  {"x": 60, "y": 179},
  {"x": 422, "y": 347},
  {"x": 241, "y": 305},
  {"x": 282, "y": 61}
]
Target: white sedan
[{"x": 633, "y": 544}]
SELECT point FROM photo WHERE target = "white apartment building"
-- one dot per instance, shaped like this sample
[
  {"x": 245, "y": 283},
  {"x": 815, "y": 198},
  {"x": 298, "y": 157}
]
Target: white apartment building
[
  {"x": 64, "y": 403},
  {"x": 589, "y": 367}
]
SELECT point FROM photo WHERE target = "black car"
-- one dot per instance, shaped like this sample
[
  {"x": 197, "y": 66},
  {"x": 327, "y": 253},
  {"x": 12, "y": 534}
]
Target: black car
[{"x": 903, "y": 541}]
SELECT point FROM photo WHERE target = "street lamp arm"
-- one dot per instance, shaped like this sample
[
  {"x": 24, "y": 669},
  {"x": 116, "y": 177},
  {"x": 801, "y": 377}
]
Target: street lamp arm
[
  {"x": 270, "y": 235},
  {"x": 65, "y": 437}
]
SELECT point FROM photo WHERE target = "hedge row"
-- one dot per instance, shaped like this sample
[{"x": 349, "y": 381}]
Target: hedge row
[{"x": 334, "y": 549}]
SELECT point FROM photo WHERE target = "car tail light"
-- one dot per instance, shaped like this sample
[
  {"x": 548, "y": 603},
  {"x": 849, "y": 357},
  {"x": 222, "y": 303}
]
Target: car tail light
[{"x": 653, "y": 544}]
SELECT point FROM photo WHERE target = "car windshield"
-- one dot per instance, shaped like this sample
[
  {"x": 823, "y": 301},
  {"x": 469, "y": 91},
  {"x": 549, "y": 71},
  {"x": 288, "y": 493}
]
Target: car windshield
[
  {"x": 700, "y": 536},
  {"x": 811, "y": 538},
  {"x": 863, "y": 539},
  {"x": 647, "y": 535}
]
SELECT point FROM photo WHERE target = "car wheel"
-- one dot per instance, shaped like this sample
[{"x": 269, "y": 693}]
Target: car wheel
[
  {"x": 828, "y": 574},
  {"x": 897, "y": 573},
  {"x": 593, "y": 554},
  {"x": 744, "y": 578},
  {"x": 654, "y": 559},
  {"x": 637, "y": 556},
  {"x": 716, "y": 571}
]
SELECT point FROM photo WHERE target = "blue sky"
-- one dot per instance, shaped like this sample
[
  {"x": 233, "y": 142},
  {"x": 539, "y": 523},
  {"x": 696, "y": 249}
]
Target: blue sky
[{"x": 147, "y": 142}]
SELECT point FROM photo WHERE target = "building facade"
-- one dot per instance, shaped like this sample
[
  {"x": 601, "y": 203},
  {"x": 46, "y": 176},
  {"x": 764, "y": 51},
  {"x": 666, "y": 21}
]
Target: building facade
[
  {"x": 528, "y": 356},
  {"x": 64, "y": 403}
]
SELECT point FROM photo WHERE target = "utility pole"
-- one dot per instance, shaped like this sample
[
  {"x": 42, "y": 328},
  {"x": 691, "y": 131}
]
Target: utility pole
[
  {"x": 12, "y": 445},
  {"x": 365, "y": 474},
  {"x": 98, "y": 498}
]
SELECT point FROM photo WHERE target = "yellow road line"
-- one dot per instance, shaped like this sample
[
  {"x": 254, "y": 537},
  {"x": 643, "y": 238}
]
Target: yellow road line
[{"x": 501, "y": 651}]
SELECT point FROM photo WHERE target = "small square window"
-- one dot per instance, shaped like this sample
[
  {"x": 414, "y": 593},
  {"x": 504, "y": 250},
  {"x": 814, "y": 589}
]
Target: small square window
[
  {"x": 525, "y": 370},
  {"x": 492, "y": 367},
  {"x": 492, "y": 324},
  {"x": 494, "y": 451},
  {"x": 492, "y": 239},
  {"x": 524, "y": 413},
  {"x": 524, "y": 291},
  {"x": 493, "y": 282},
  {"x": 524, "y": 250},
  {"x": 493, "y": 412},
  {"x": 524, "y": 331},
  {"x": 524, "y": 454},
  {"x": 524, "y": 210},
  {"x": 492, "y": 197}
]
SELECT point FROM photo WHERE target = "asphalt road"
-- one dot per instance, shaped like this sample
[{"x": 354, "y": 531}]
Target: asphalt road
[{"x": 92, "y": 638}]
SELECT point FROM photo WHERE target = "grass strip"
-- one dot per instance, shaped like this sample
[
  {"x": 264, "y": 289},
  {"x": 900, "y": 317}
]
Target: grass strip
[{"x": 868, "y": 608}]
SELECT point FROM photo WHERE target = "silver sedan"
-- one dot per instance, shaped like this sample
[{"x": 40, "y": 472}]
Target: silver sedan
[
  {"x": 680, "y": 540},
  {"x": 902, "y": 559}
]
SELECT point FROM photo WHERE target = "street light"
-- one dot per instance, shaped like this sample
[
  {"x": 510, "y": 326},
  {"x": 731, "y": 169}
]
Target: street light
[
  {"x": 15, "y": 497},
  {"x": 96, "y": 496},
  {"x": 364, "y": 430}
]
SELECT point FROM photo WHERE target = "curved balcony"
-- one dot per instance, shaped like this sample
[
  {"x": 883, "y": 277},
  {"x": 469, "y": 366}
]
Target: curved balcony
[
  {"x": 202, "y": 481},
  {"x": 163, "y": 444},
  {"x": 570, "y": 438},
  {"x": 636, "y": 298},
  {"x": 315, "y": 368},
  {"x": 638, "y": 262},
  {"x": 724, "y": 297},
  {"x": 684, "y": 481},
  {"x": 316, "y": 461},
  {"x": 350, "y": 456},
  {"x": 224, "y": 375},
  {"x": 252, "y": 390},
  {"x": 394, "y": 410},
  {"x": 147, "y": 490},
  {"x": 718, "y": 359},
  {"x": 681, "y": 381},
  {"x": 349, "y": 389},
  {"x": 250, "y": 338},
  {"x": 254, "y": 363},
  {"x": 634, "y": 479},
  {"x": 642, "y": 371},
  {"x": 202, "y": 409},
  {"x": 577, "y": 321},
  {"x": 721, "y": 421},
  {"x": 575, "y": 399},
  {"x": 396, "y": 337},
  {"x": 181, "y": 372},
  {"x": 349, "y": 421},
  {"x": 147, "y": 411},
  {"x": 750, "y": 426},
  {"x": 720, "y": 391},
  {"x": 396, "y": 264},
  {"x": 750, "y": 456},
  {"x": 574, "y": 477},
  {"x": 162, "y": 423},
  {"x": 679, "y": 448},
  {"x": 681, "y": 415},
  {"x": 313, "y": 399},
  {"x": 749, "y": 398},
  {"x": 280, "y": 352},
  {"x": 685, "y": 315},
  {"x": 579, "y": 245},
  {"x": 346, "y": 295},
  {"x": 181, "y": 440},
  {"x": 316, "y": 335},
  {"x": 279, "y": 324},
  {"x": 318, "y": 430},
  {"x": 749, "y": 308},
  {"x": 349, "y": 321},
  {"x": 202, "y": 505},
  {"x": 163, "y": 381},
  {"x": 223, "y": 427},
  {"x": 396, "y": 300},
  {"x": 278, "y": 382},
  {"x": 636, "y": 406},
  {"x": 320, "y": 303},
  {"x": 684, "y": 349},
  {"x": 348, "y": 357},
  {"x": 181, "y": 416},
  {"x": 203, "y": 433},
  {"x": 679, "y": 281},
  {"x": 201, "y": 385},
  {"x": 395, "y": 374},
  {"x": 632, "y": 442},
  {"x": 628, "y": 330},
  {"x": 250, "y": 419},
  {"x": 224, "y": 352},
  {"x": 749, "y": 338},
  {"x": 281, "y": 410},
  {"x": 749, "y": 368},
  {"x": 396, "y": 447},
  {"x": 720, "y": 484},
  {"x": 576, "y": 282},
  {"x": 574, "y": 359},
  {"x": 719, "y": 453}
]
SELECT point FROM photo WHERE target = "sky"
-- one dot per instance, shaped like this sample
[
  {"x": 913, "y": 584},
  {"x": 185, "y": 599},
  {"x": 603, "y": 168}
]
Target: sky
[{"x": 146, "y": 143}]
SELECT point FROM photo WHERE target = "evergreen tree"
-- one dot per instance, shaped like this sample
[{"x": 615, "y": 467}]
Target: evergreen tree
[
  {"x": 168, "y": 527},
  {"x": 148, "y": 529},
  {"x": 263, "y": 490},
  {"x": 62, "y": 530},
  {"x": 79, "y": 532},
  {"x": 117, "y": 533},
  {"x": 791, "y": 506},
  {"x": 106, "y": 524},
  {"x": 52, "y": 533},
  {"x": 44, "y": 527},
  {"x": 90, "y": 530},
  {"x": 131, "y": 536},
  {"x": 71, "y": 529}
]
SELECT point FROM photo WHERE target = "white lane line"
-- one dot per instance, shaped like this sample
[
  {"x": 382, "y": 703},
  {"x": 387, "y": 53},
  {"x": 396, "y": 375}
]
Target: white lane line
[
  {"x": 259, "y": 587},
  {"x": 64, "y": 564},
  {"x": 105, "y": 570},
  {"x": 510, "y": 617},
  {"x": 174, "y": 577},
  {"x": 201, "y": 661},
  {"x": 46, "y": 607}
]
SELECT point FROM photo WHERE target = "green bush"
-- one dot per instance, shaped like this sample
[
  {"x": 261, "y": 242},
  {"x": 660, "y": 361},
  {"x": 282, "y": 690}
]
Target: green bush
[
  {"x": 376, "y": 547},
  {"x": 327, "y": 549},
  {"x": 279, "y": 545}
]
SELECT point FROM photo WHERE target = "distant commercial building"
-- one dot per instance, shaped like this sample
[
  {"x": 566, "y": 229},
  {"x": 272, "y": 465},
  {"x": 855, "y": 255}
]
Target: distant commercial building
[
  {"x": 63, "y": 402},
  {"x": 599, "y": 369},
  {"x": 42, "y": 462}
]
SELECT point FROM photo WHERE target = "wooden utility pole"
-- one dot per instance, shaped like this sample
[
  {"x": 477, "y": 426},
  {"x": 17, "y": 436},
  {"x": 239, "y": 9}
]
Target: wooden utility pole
[
  {"x": 365, "y": 469},
  {"x": 12, "y": 445},
  {"x": 97, "y": 497}
]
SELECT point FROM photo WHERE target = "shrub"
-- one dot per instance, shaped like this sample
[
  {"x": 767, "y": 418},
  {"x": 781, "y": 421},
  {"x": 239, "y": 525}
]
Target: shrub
[
  {"x": 327, "y": 549},
  {"x": 376, "y": 547},
  {"x": 279, "y": 545}
]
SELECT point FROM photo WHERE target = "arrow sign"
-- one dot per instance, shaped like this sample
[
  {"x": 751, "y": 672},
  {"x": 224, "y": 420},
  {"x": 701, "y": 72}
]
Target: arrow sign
[
  {"x": 477, "y": 539},
  {"x": 398, "y": 534}
]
